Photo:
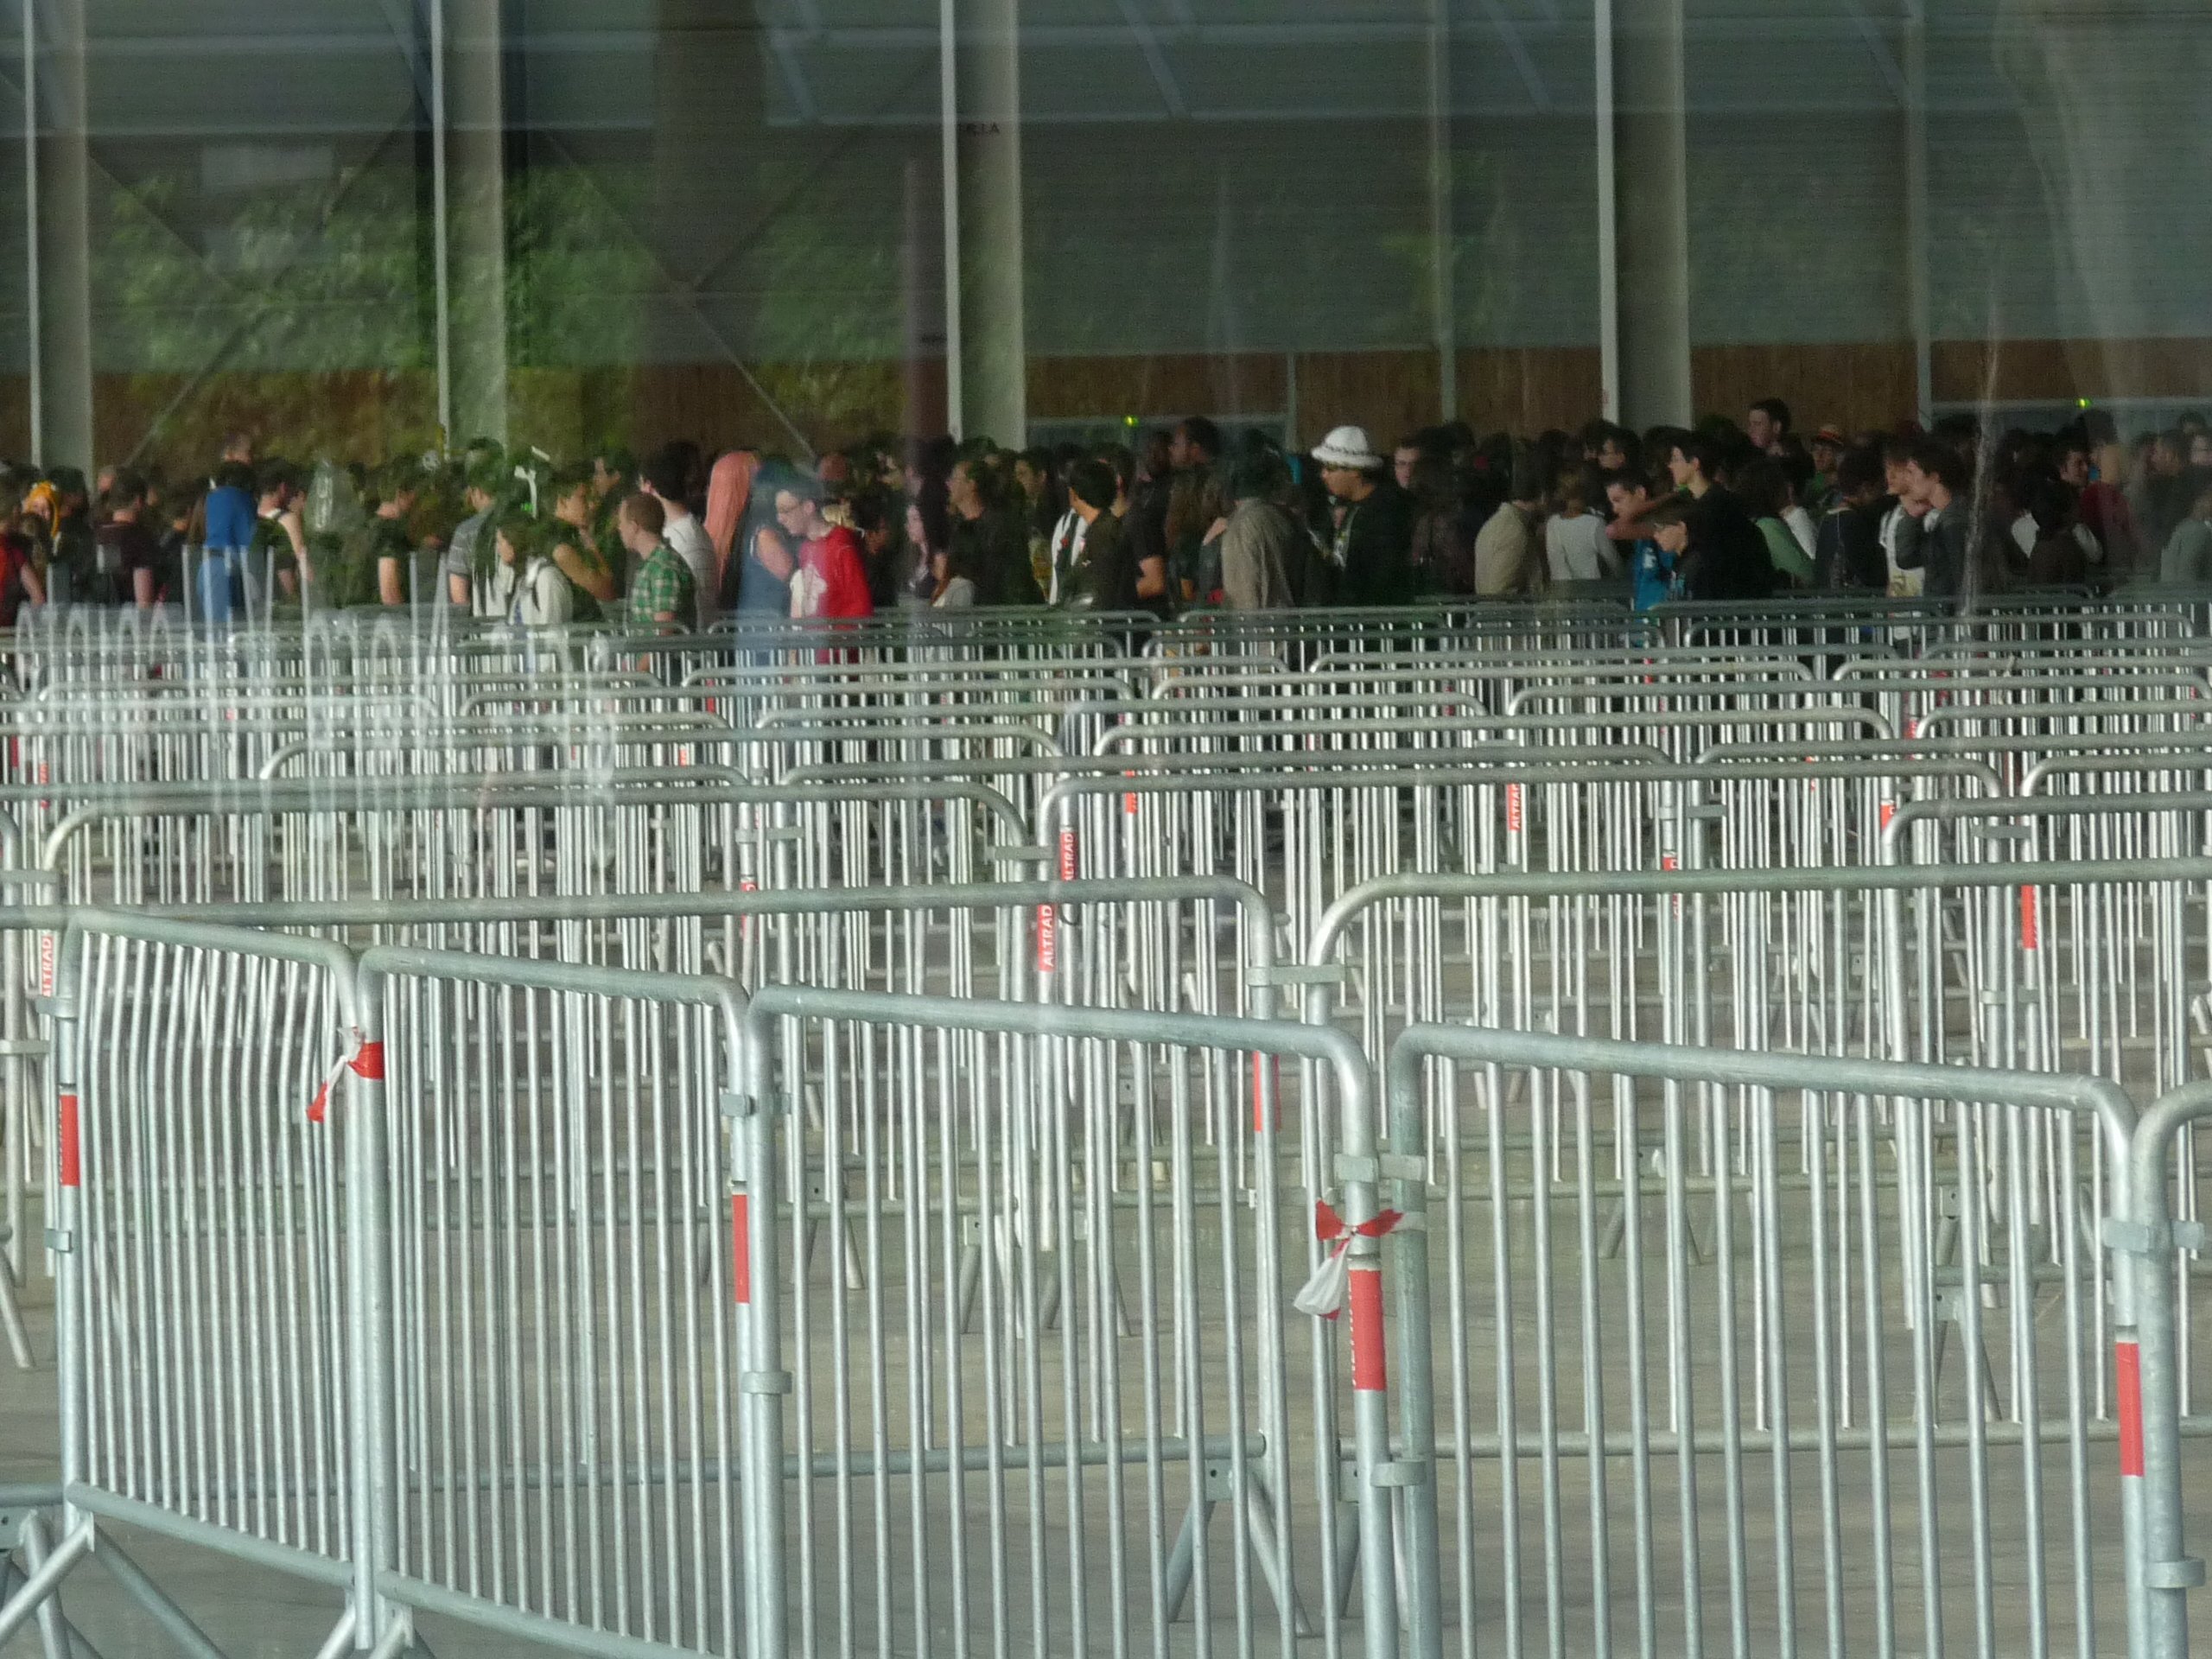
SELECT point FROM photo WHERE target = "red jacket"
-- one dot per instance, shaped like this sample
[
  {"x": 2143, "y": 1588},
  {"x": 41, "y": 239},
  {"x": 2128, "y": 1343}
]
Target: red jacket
[{"x": 832, "y": 580}]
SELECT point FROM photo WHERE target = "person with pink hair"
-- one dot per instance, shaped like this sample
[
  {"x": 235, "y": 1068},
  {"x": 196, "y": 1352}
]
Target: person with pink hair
[{"x": 729, "y": 493}]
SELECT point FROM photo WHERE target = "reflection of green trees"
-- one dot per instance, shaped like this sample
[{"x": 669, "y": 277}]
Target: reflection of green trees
[
  {"x": 309, "y": 311},
  {"x": 830, "y": 323}
]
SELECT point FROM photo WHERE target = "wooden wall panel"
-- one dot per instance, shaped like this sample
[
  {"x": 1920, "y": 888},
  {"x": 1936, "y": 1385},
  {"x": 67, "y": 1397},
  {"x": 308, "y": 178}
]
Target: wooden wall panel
[
  {"x": 177, "y": 422},
  {"x": 1860, "y": 387},
  {"x": 15, "y": 416},
  {"x": 2060, "y": 370},
  {"x": 1389, "y": 393},
  {"x": 1247, "y": 383},
  {"x": 367, "y": 414},
  {"x": 1532, "y": 390}
]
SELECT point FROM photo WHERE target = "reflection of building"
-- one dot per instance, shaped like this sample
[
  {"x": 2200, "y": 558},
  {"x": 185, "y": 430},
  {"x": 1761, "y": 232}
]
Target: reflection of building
[{"x": 1299, "y": 208}]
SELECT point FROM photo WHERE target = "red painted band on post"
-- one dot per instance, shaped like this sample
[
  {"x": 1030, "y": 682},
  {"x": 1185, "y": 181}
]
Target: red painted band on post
[
  {"x": 740, "y": 1247},
  {"x": 67, "y": 1150},
  {"x": 2030, "y": 934},
  {"x": 1263, "y": 1119},
  {"x": 369, "y": 1062},
  {"x": 2128, "y": 1368},
  {"x": 1048, "y": 944},
  {"x": 1363, "y": 1296}
]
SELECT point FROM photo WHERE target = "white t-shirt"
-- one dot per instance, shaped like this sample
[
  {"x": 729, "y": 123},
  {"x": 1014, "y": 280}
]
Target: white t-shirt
[
  {"x": 1904, "y": 584},
  {"x": 688, "y": 537},
  {"x": 1067, "y": 550},
  {"x": 1577, "y": 548},
  {"x": 537, "y": 597},
  {"x": 1801, "y": 526}
]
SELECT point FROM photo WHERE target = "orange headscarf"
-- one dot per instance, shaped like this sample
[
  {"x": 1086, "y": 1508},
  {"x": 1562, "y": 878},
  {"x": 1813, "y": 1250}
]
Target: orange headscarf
[{"x": 729, "y": 491}]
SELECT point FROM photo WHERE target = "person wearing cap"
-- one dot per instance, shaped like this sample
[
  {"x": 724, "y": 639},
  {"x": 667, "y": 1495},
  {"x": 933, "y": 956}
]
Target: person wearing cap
[
  {"x": 1370, "y": 559},
  {"x": 1828, "y": 447}
]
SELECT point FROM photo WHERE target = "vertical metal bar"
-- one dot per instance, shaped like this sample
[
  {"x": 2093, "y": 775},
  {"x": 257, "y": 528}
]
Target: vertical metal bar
[
  {"x": 948, "y": 38},
  {"x": 33, "y": 326},
  {"x": 442, "y": 250},
  {"x": 1609, "y": 273},
  {"x": 366, "y": 1318},
  {"x": 1919, "y": 299},
  {"x": 1443, "y": 283}
]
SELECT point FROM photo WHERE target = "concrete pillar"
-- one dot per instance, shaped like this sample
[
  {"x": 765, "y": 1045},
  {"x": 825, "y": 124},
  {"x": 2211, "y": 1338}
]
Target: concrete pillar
[
  {"x": 476, "y": 221},
  {"x": 985, "y": 350},
  {"x": 1649, "y": 212},
  {"x": 61, "y": 346}
]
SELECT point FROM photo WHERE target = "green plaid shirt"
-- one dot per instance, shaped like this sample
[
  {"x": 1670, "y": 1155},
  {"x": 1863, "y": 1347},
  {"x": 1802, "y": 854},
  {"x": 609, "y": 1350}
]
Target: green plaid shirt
[{"x": 662, "y": 587}]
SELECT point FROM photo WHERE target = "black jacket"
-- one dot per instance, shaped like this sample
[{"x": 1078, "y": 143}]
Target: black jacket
[
  {"x": 1938, "y": 548},
  {"x": 1847, "y": 551},
  {"x": 1727, "y": 558}
]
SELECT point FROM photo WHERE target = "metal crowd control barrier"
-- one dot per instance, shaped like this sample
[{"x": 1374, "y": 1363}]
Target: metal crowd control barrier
[
  {"x": 512, "y": 1352},
  {"x": 1793, "y": 1344},
  {"x": 500, "y": 1326}
]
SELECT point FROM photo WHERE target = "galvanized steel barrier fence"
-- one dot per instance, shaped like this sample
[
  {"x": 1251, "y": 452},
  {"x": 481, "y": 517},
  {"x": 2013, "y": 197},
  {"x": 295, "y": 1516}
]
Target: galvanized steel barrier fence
[
  {"x": 511, "y": 1292},
  {"x": 616, "y": 1221}
]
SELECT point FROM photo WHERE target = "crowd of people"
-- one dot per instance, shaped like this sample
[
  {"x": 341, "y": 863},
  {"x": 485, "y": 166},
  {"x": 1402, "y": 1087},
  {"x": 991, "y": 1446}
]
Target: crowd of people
[{"x": 1185, "y": 517}]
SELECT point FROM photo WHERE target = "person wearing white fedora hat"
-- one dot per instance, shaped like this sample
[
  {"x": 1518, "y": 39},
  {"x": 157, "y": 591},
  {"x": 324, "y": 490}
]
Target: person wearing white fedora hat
[{"x": 1370, "y": 557}]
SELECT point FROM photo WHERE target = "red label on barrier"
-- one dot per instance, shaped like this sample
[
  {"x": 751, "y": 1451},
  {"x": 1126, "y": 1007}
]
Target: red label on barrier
[
  {"x": 1129, "y": 803},
  {"x": 46, "y": 949},
  {"x": 1889, "y": 811},
  {"x": 66, "y": 1151},
  {"x": 1513, "y": 809},
  {"x": 1048, "y": 944},
  {"x": 1364, "y": 1300},
  {"x": 1262, "y": 1117},
  {"x": 369, "y": 1062},
  {"x": 740, "y": 1247},
  {"x": 1067, "y": 854},
  {"x": 2030, "y": 934},
  {"x": 2127, "y": 1370}
]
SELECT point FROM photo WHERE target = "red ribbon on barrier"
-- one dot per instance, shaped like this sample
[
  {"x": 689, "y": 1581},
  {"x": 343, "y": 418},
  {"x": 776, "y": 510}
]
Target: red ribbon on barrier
[
  {"x": 367, "y": 1060},
  {"x": 1324, "y": 1295},
  {"x": 1332, "y": 1229}
]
